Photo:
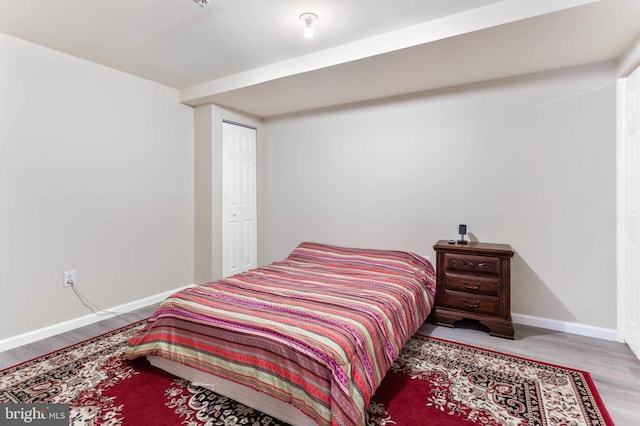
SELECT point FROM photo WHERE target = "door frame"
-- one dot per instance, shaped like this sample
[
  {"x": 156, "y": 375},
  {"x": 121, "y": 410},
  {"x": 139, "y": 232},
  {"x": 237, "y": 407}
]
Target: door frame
[
  {"x": 242, "y": 251},
  {"x": 626, "y": 265},
  {"x": 207, "y": 152}
]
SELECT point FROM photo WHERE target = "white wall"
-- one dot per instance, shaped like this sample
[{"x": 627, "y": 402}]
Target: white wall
[
  {"x": 528, "y": 161},
  {"x": 96, "y": 175}
]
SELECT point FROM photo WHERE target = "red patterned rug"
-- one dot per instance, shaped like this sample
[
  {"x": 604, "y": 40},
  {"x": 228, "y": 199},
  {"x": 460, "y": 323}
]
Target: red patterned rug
[{"x": 433, "y": 382}]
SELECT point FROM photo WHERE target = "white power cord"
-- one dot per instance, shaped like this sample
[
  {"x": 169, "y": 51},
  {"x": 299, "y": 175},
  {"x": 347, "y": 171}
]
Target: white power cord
[{"x": 94, "y": 308}]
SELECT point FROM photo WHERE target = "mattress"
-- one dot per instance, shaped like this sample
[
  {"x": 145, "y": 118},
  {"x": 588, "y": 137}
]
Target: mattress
[{"x": 317, "y": 330}]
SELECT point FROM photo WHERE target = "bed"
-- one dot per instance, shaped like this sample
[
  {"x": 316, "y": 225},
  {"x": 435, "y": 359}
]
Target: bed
[{"x": 307, "y": 339}]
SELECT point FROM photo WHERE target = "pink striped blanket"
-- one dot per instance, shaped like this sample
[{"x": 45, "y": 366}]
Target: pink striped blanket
[{"x": 318, "y": 330}]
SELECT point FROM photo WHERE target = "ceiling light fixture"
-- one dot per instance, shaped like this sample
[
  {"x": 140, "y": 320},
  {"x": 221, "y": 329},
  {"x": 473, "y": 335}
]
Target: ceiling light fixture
[
  {"x": 308, "y": 18},
  {"x": 202, "y": 3}
]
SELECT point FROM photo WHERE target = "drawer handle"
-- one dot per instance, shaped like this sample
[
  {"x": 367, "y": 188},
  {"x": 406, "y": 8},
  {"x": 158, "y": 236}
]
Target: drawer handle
[
  {"x": 470, "y": 305},
  {"x": 471, "y": 287},
  {"x": 472, "y": 264}
]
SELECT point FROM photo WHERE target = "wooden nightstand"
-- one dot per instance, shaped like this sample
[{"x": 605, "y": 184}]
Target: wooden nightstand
[{"x": 474, "y": 281}]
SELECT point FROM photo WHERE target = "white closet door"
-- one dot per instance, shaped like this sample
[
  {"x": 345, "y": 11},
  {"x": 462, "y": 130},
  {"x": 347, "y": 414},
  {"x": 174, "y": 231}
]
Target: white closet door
[
  {"x": 239, "y": 206},
  {"x": 629, "y": 255}
]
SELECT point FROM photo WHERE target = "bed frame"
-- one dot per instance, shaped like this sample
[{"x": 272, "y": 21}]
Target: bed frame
[{"x": 240, "y": 393}]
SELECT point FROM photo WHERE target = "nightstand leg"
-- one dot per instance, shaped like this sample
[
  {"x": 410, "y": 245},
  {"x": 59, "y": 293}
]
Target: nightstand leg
[
  {"x": 440, "y": 318},
  {"x": 499, "y": 329}
]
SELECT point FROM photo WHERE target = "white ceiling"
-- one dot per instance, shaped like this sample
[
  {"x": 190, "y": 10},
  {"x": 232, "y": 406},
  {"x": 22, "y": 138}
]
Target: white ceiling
[{"x": 250, "y": 55}]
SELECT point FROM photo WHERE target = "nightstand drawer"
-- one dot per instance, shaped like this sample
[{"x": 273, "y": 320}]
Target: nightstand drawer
[
  {"x": 477, "y": 303},
  {"x": 488, "y": 285},
  {"x": 465, "y": 262}
]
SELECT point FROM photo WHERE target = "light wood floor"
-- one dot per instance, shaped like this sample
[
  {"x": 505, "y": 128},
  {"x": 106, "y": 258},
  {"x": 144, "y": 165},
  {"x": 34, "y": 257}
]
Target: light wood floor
[{"x": 613, "y": 367}]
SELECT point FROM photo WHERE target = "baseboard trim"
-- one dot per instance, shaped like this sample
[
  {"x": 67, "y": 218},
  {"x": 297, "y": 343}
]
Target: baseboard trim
[
  {"x": 566, "y": 327},
  {"x": 43, "y": 333},
  {"x": 63, "y": 327}
]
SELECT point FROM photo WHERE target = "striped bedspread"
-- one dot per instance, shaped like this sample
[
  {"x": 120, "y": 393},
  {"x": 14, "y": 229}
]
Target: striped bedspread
[{"x": 318, "y": 330}]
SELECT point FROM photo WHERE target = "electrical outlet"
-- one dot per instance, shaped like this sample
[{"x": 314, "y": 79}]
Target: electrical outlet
[{"x": 69, "y": 279}]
